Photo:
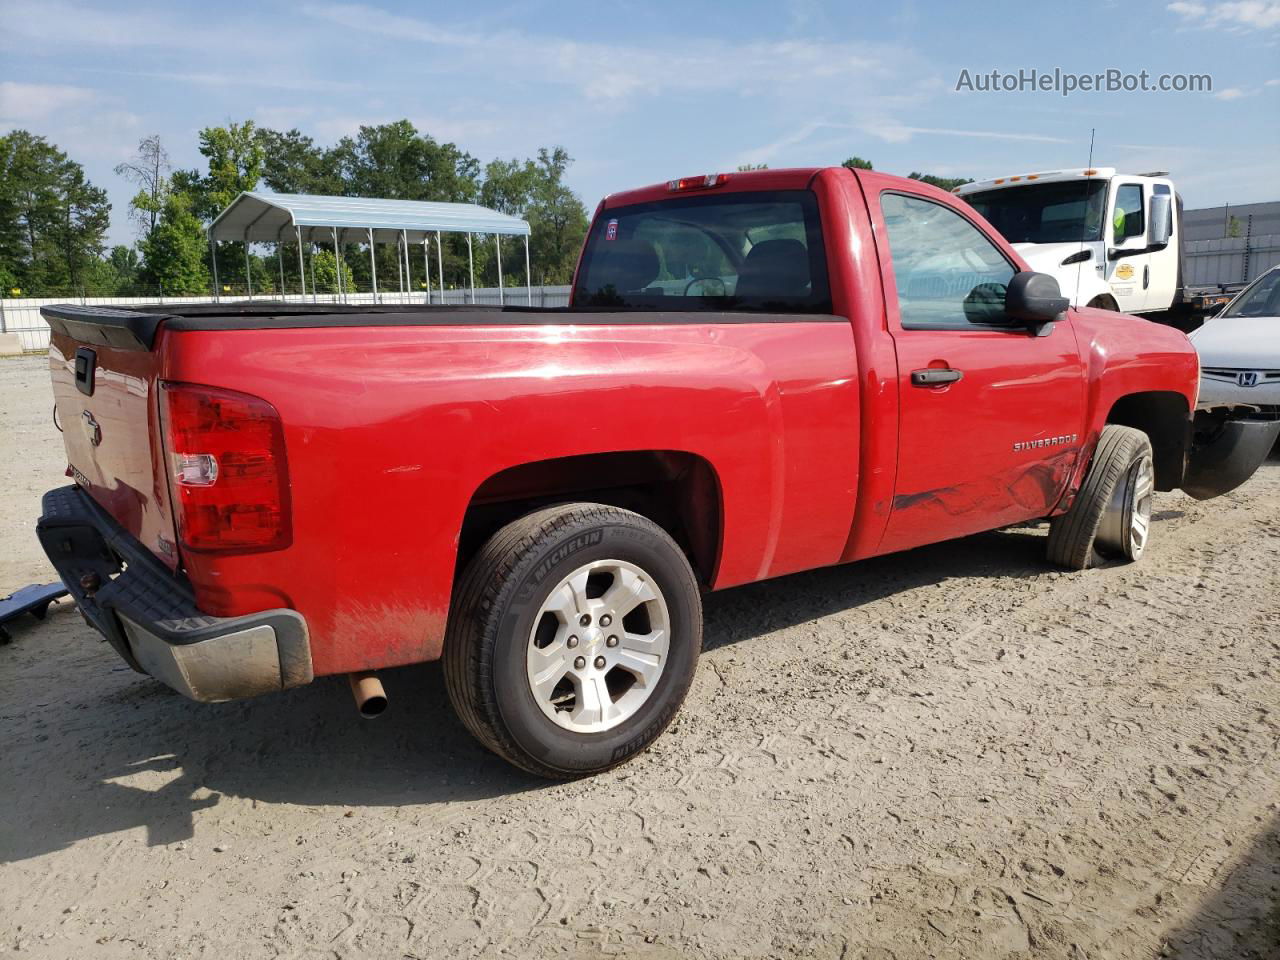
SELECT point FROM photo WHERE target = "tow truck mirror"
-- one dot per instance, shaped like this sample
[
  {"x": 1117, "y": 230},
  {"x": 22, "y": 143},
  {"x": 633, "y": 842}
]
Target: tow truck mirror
[
  {"x": 1158, "y": 236},
  {"x": 1034, "y": 299}
]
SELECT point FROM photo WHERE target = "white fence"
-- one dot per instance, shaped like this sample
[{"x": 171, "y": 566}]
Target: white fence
[{"x": 22, "y": 316}]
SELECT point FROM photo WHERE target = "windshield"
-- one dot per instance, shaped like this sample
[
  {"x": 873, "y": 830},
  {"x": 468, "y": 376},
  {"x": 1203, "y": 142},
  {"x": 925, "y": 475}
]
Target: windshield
[
  {"x": 732, "y": 251},
  {"x": 1260, "y": 300},
  {"x": 1045, "y": 212}
]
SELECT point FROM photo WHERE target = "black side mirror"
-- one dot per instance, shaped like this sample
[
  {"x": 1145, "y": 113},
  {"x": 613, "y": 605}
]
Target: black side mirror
[{"x": 1034, "y": 299}]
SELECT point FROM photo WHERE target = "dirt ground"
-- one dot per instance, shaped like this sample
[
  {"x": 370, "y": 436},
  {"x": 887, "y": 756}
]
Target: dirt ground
[{"x": 955, "y": 752}]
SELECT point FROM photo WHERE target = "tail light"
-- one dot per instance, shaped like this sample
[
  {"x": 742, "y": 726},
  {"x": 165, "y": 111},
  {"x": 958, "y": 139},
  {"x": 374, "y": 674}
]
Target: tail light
[{"x": 227, "y": 469}]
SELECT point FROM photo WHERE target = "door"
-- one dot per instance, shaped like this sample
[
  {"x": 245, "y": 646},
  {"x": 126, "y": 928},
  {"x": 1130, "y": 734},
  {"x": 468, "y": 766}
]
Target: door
[
  {"x": 1162, "y": 265},
  {"x": 1126, "y": 230},
  {"x": 991, "y": 418}
]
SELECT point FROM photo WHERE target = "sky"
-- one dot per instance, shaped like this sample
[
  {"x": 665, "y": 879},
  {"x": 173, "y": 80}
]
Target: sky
[{"x": 644, "y": 92}]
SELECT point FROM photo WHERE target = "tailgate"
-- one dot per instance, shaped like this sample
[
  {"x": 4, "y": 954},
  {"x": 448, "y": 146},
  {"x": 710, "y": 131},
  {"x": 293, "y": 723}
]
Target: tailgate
[{"x": 105, "y": 375}]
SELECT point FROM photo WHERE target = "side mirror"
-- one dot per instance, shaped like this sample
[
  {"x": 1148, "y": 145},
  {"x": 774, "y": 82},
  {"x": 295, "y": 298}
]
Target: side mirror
[
  {"x": 1034, "y": 298},
  {"x": 1161, "y": 222}
]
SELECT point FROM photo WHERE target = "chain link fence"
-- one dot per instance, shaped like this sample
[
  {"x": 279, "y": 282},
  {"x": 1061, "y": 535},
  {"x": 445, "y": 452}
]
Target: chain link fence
[{"x": 21, "y": 316}]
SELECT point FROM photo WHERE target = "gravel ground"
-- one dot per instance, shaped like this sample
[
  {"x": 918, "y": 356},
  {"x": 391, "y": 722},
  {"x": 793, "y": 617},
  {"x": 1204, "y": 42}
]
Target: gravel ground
[{"x": 955, "y": 752}]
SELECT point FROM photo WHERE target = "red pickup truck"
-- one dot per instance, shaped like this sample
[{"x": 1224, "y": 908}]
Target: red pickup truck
[{"x": 759, "y": 373}]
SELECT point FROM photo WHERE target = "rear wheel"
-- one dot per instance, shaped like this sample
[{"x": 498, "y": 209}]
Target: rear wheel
[
  {"x": 1111, "y": 515},
  {"x": 573, "y": 640},
  {"x": 1104, "y": 302}
]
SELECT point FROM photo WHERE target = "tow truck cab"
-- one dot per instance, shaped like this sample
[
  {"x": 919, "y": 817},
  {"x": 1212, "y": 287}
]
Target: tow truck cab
[{"x": 1113, "y": 240}]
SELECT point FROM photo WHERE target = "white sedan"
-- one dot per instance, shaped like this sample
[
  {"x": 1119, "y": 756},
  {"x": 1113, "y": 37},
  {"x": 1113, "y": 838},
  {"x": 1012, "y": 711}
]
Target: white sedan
[{"x": 1240, "y": 351}]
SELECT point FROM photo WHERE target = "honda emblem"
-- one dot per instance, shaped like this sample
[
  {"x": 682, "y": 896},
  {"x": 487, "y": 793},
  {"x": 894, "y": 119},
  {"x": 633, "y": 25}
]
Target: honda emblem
[{"x": 1247, "y": 378}]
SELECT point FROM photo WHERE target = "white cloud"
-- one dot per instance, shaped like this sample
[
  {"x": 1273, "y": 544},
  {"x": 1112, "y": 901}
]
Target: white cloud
[
  {"x": 1273, "y": 83},
  {"x": 56, "y": 24},
  {"x": 36, "y": 101},
  {"x": 1236, "y": 15},
  {"x": 1230, "y": 93},
  {"x": 608, "y": 72},
  {"x": 892, "y": 131}
]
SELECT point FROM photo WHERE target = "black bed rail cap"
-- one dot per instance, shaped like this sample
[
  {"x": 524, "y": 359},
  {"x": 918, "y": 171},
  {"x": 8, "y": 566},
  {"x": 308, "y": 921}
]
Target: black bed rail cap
[{"x": 104, "y": 326}]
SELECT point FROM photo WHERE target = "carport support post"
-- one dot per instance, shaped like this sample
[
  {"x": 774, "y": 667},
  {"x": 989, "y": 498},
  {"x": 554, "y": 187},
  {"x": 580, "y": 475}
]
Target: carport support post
[
  {"x": 426, "y": 266},
  {"x": 213, "y": 257},
  {"x": 402, "y": 252},
  {"x": 314, "y": 298},
  {"x": 337, "y": 283},
  {"x": 497, "y": 242},
  {"x": 280, "y": 261},
  {"x": 440, "y": 266},
  {"x": 528, "y": 273},
  {"x": 373, "y": 265},
  {"x": 471, "y": 269},
  {"x": 302, "y": 270},
  {"x": 248, "y": 272}
]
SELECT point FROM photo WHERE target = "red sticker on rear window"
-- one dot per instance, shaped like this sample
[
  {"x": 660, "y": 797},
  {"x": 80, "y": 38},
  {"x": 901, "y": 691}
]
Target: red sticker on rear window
[{"x": 611, "y": 230}]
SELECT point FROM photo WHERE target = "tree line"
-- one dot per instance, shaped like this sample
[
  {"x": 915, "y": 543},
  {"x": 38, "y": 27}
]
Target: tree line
[
  {"x": 857, "y": 163},
  {"x": 53, "y": 222}
]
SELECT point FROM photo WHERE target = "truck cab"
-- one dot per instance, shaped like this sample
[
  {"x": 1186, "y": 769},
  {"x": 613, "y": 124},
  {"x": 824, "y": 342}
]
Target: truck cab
[{"x": 1111, "y": 239}]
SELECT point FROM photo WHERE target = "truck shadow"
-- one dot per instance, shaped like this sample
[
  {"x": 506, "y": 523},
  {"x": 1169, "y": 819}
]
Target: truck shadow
[
  {"x": 139, "y": 756},
  {"x": 760, "y": 608}
]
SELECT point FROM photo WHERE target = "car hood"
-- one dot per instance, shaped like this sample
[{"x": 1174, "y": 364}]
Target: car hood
[{"x": 1240, "y": 342}]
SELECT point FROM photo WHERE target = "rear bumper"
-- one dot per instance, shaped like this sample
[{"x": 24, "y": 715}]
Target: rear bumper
[{"x": 150, "y": 617}]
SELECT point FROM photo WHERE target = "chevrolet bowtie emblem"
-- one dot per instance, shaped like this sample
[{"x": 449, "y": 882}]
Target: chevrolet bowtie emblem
[{"x": 91, "y": 428}]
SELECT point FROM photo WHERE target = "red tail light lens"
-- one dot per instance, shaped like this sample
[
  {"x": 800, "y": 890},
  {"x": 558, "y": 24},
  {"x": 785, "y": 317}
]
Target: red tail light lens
[{"x": 227, "y": 469}]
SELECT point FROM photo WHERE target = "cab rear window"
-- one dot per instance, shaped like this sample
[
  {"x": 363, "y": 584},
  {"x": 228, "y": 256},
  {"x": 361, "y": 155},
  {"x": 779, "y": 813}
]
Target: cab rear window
[{"x": 736, "y": 251}]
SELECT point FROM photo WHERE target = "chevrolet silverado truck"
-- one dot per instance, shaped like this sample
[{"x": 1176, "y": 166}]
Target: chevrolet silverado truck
[{"x": 758, "y": 374}]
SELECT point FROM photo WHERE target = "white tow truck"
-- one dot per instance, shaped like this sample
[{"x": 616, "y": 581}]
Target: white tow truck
[{"x": 1113, "y": 240}]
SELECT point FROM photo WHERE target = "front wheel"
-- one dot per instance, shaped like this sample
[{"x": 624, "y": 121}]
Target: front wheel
[
  {"x": 1111, "y": 515},
  {"x": 573, "y": 640}
]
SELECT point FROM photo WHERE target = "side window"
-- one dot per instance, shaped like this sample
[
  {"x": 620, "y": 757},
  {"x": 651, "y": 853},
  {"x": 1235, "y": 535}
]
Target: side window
[
  {"x": 949, "y": 276},
  {"x": 1127, "y": 221}
]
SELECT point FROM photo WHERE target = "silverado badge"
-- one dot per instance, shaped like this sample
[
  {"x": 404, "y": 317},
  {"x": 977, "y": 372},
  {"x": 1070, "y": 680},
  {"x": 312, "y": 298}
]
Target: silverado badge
[{"x": 1066, "y": 438}]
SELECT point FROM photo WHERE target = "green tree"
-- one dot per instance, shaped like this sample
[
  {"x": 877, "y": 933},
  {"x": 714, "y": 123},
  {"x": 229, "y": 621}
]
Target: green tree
[
  {"x": 125, "y": 263},
  {"x": 395, "y": 160},
  {"x": 943, "y": 183},
  {"x": 236, "y": 157},
  {"x": 292, "y": 163},
  {"x": 324, "y": 266},
  {"x": 557, "y": 218},
  {"x": 535, "y": 191},
  {"x": 52, "y": 219},
  {"x": 149, "y": 169},
  {"x": 857, "y": 163},
  {"x": 175, "y": 255}
]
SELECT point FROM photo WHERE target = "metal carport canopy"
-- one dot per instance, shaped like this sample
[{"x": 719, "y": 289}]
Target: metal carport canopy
[{"x": 272, "y": 217}]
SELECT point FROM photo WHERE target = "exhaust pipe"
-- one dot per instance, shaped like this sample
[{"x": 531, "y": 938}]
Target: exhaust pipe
[{"x": 371, "y": 699}]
